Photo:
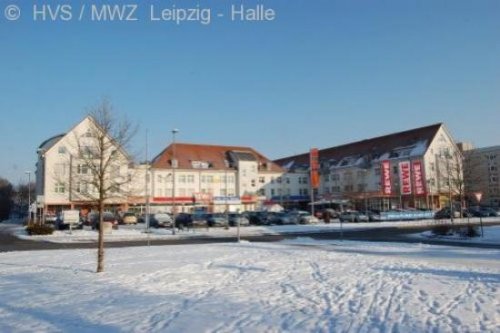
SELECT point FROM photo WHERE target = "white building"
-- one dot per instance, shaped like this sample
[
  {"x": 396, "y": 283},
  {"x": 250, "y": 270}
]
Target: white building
[
  {"x": 400, "y": 170},
  {"x": 64, "y": 176},
  {"x": 212, "y": 178}
]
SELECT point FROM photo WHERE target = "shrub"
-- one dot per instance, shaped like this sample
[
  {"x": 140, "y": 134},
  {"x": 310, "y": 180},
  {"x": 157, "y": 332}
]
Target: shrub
[
  {"x": 37, "y": 229},
  {"x": 442, "y": 230},
  {"x": 469, "y": 231}
]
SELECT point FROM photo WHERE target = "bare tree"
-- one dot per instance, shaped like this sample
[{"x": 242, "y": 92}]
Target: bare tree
[
  {"x": 6, "y": 196},
  {"x": 451, "y": 171},
  {"x": 99, "y": 164}
]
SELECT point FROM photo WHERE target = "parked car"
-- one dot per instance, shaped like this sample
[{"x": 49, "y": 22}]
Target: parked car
[
  {"x": 233, "y": 219},
  {"x": 129, "y": 218},
  {"x": 50, "y": 218},
  {"x": 160, "y": 220},
  {"x": 199, "y": 219},
  {"x": 258, "y": 218},
  {"x": 216, "y": 220},
  {"x": 445, "y": 213},
  {"x": 184, "y": 220},
  {"x": 489, "y": 211},
  {"x": 353, "y": 216},
  {"x": 280, "y": 218},
  {"x": 106, "y": 217}
]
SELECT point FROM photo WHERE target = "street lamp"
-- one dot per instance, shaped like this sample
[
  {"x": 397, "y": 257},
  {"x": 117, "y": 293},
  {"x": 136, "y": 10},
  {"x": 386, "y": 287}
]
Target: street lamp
[
  {"x": 29, "y": 196},
  {"x": 174, "y": 166}
]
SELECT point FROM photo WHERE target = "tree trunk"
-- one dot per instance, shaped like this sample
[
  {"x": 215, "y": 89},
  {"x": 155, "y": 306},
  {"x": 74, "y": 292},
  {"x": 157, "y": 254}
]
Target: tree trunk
[{"x": 100, "y": 246}]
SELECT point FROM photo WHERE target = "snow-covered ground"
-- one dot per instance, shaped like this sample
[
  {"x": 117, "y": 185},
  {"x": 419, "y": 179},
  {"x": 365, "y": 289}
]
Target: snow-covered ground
[
  {"x": 294, "y": 286},
  {"x": 125, "y": 233},
  {"x": 491, "y": 235}
]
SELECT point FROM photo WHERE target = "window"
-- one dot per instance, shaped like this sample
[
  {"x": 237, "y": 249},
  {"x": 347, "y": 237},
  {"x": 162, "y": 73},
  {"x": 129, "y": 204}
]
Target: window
[
  {"x": 160, "y": 179},
  {"x": 61, "y": 150},
  {"x": 261, "y": 192},
  {"x": 60, "y": 187},
  {"x": 278, "y": 180},
  {"x": 82, "y": 169},
  {"x": 433, "y": 167},
  {"x": 262, "y": 180},
  {"x": 82, "y": 188},
  {"x": 272, "y": 192},
  {"x": 190, "y": 179},
  {"x": 287, "y": 180},
  {"x": 60, "y": 169},
  {"x": 210, "y": 179},
  {"x": 377, "y": 171},
  {"x": 493, "y": 168},
  {"x": 335, "y": 177},
  {"x": 223, "y": 192},
  {"x": 253, "y": 182},
  {"x": 395, "y": 170},
  {"x": 182, "y": 178},
  {"x": 272, "y": 180}
]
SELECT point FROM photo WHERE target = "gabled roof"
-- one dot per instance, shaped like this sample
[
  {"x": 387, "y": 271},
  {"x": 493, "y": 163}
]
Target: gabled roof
[
  {"x": 50, "y": 142},
  {"x": 418, "y": 140},
  {"x": 212, "y": 156}
]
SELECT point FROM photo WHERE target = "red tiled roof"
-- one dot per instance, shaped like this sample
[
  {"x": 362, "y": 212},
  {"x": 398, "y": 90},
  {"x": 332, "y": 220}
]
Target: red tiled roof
[
  {"x": 186, "y": 153},
  {"x": 378, "y": 145}
]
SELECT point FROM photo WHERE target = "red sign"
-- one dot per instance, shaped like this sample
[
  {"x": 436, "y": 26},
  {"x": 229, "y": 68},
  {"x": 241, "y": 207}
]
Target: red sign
[
  {"x": 405, "y": 177},
  {"x": 386, "y": 178},
  {"x": 314, "y": 163},
  {"x": 418, "y": 177}
]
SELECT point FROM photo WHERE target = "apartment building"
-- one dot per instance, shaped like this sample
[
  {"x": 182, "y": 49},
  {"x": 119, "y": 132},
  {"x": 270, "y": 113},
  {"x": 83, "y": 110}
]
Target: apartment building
[
  {"x": 212, "y": 178},
  {"x": 64, "y": 176},
  {"x": 481, "y": 174},
  {"x": 419, "y": 168}
]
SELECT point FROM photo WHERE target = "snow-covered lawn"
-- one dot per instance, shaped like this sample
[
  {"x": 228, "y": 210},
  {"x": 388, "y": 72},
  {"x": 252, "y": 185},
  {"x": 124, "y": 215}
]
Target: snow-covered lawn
[
  {"x": 294, "y": 286},
  {"x": 491, "y": 235},
  {"x": 125, "y": 233}
]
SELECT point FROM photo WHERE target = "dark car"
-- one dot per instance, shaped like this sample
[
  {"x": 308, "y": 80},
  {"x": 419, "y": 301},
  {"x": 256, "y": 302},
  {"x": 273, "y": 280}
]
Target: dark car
[
  {"x": 445, "y": 213},
  {"x": 258, "y": 218},
  {"x": 106, "y": 217},
  {"x": 184, "y": 220},
  {"x": 216, "y": 220}
]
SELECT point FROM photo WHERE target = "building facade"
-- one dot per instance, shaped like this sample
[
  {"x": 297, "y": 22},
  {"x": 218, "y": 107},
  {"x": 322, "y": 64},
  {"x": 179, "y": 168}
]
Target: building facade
[
  {"x": 482, "y": 175},
  {"x": 64, "y": 171},
  {"x": 211, "y": 178},
  {"x": 419, "y": 168}
]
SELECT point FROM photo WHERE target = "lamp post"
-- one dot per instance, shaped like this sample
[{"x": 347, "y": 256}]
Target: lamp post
[
  {"x": 174, "y": 166},
  {"x": 29, "y": 196}
]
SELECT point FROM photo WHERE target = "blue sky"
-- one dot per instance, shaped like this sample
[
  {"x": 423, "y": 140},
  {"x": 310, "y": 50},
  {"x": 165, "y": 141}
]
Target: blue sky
[{"x": 323, "y": 73}]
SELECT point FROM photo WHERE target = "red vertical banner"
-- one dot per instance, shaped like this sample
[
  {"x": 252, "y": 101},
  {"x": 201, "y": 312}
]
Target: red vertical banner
[
  {"x": 405, "y": 177},
  {"x": 314, "y": 164},
  {"x": 418, "y": 177},
  {"x": 386, "y": 178}
]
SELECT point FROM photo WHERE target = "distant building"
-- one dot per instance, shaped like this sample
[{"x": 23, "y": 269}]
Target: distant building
[
  {"x": 207, "y": 177},
  {"x": 418, "y": 168},
  {"x": 212, "y": 178},
  {"x": 482, "y": 175}
]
